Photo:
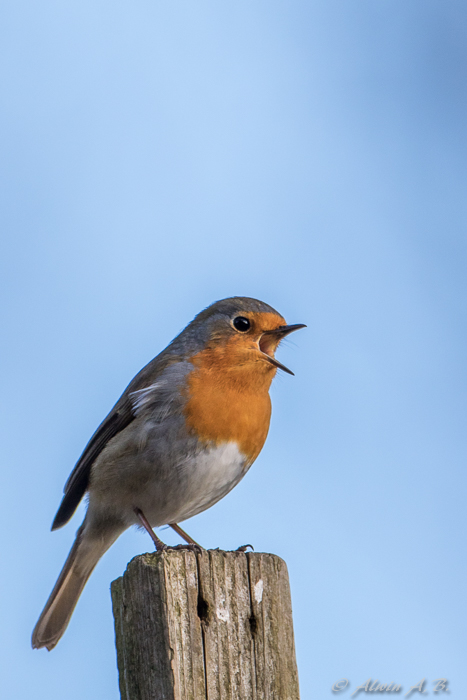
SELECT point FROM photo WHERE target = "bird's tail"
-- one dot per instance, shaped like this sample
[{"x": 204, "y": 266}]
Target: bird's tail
[{"x": 82, "y": 559}]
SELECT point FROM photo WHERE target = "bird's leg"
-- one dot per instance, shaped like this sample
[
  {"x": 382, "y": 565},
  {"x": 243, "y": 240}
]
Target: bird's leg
[
  {"x": 184, "y": 535},
  {"x": 160, "y": 546},
  {"x": 192, "y": 546}
]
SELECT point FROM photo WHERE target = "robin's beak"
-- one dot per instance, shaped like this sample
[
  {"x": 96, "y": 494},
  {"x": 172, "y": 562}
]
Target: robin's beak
[{"x": 271, "y": 339}]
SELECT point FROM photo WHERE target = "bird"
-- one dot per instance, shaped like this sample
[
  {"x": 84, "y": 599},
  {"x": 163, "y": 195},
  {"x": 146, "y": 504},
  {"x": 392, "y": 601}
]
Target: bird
[{"x": 184, "y": 432}]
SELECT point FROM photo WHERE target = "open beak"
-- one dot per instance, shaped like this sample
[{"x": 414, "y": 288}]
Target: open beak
[{"x": 271, "y": 339}]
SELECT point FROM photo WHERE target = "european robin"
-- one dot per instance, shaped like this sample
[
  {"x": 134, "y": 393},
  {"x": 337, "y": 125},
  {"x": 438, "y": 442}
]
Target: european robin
[{"x": 182, "y": 435}]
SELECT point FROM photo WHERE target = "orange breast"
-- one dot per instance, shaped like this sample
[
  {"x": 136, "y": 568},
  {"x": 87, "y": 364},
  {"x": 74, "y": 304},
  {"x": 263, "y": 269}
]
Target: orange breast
[{"x": 228, "y": 398}]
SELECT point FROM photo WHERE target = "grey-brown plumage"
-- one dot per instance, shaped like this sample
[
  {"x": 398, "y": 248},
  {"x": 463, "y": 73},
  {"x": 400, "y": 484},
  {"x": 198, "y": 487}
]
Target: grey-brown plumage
[{"x": 144, "y": 458}]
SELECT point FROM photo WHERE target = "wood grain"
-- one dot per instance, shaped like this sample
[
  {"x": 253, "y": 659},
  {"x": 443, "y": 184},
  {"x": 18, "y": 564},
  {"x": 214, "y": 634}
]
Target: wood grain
[{"x": 209, "y": 626}]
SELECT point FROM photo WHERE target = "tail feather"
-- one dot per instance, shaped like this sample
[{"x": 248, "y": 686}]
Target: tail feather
[{"x": 79, "y": 565}]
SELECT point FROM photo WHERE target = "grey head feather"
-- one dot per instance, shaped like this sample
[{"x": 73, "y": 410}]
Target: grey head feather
[{"x": 212, "y": 321}]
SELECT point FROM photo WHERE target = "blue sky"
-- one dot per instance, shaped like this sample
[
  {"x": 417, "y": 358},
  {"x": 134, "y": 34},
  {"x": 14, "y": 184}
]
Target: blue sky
[{"x": 157, "y": 156}]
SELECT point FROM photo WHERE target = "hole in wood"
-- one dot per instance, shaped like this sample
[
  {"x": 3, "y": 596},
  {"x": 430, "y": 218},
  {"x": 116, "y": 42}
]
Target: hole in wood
[
  {"x": 203, "y": 609},
  {"x": 253, "y": 625}
]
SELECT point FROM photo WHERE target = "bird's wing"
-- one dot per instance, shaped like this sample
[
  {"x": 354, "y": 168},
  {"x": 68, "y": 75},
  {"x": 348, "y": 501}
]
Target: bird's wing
[
  {"x": 78, "y": 480},
  {"x": 152, "y": 390}
]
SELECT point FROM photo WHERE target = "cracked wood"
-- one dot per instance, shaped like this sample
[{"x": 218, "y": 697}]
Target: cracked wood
[{"x": 209, "y": 626}]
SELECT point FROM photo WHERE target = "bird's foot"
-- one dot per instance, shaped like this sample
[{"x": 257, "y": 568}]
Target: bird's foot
[
  {"x": 244, "y": 548},
  {"x": 191, "y": 547},
  {"x": 159, "y": 545}
]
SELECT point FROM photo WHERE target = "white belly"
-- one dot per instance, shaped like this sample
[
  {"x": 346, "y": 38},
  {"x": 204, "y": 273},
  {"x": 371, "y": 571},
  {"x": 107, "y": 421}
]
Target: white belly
[{"x": 210, "y": 475}]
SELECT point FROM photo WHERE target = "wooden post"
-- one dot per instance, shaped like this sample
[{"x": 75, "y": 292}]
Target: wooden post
[{"x": 214, "y": 625}]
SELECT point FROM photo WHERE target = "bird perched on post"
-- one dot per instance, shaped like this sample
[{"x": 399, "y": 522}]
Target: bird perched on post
[{"x": 182, "y": 435}]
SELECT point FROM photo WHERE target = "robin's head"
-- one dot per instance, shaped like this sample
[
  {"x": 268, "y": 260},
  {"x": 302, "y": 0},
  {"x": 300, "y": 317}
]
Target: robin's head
[{"x": 240, "y": 332}]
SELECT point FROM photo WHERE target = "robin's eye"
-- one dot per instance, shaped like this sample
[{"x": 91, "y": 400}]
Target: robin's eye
[{"x": 241, "y": 323}]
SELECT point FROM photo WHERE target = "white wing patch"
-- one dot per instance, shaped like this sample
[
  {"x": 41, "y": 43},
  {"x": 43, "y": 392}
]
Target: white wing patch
[
  {"x": 163, "y": 396},
  {"x": 144, "y": 397}
]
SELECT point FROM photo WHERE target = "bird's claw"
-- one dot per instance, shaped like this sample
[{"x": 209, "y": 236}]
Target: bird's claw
[
  {"x": 244, "y": 548},
  {"x": 190, "y": 547}
]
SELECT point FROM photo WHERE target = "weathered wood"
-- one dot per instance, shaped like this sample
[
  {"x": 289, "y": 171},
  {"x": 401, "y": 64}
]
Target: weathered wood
[{"x": 214, "y": 625}]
